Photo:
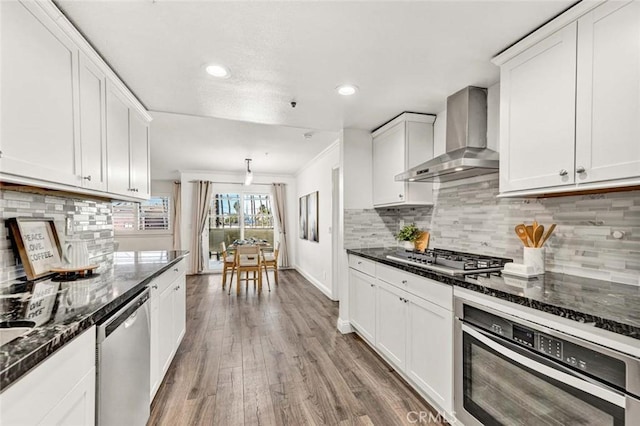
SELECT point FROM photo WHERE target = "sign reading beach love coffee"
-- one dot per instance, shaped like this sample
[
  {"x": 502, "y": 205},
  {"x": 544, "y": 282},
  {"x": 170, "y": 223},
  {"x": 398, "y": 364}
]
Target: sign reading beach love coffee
[{"x": 36, "y": 241}]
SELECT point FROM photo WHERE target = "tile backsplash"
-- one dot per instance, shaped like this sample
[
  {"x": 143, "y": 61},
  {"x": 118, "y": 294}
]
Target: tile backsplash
[
  {"x": 469, "y": 217},
  {"x": 90, "y": 220}
]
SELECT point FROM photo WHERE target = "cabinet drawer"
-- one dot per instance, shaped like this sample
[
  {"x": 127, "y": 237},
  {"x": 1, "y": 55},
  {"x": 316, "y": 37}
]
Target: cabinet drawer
[
  {"x": 363, "y": 265},
  {"x": 167, "y": 277},
  {"x": 433, "y": 291}
]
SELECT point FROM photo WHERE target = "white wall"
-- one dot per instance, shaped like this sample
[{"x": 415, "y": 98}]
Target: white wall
[
  {"x": 313, "y": 259},
  {"x": 219, "y": 179},
  {"x": 149, "y": 240}
]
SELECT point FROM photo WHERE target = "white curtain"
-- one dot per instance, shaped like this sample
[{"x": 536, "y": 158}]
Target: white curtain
[
  {"x": 278, "y": 191},
  {"x": 176, "y": 215},
  {"x": 201, "y": 203}
]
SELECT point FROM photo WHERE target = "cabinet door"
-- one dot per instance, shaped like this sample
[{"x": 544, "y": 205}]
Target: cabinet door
[
  {"x": 166, "y": 342},
  {"x": 78, "y": 406},
  {"x": 362, "y": 302},
  {"x": 117, "y": 142},
  {"x": 139, "y": 142},
  {"x": 537, "y": 114},
  {"x": 155, "y": 372},
  {"x": 388, "y": 161},
  {"x": 38, "y": 119},
  {"x": 179, "y": 310},
  {"x": 92, "y": 125},
  {"x": 391, "y": 323},
  {"x": 430, "y": 350},
  {"x": 608, "y": 93}
]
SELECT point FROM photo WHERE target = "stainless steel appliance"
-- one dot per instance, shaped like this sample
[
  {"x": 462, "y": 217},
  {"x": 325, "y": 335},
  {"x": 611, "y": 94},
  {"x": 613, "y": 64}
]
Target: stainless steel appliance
[
  {"x": 454, "y": 263},
  {"x": 123, "y": 354},
  {"x": 466, "y": 154},
  {"x": 511, "y": 371}
]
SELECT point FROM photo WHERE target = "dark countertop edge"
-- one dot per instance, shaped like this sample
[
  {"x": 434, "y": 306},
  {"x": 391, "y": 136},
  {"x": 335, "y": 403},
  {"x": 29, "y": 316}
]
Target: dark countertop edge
[
  {"x": 563, "y": 312},
  {"x": 38, "y": 355}
]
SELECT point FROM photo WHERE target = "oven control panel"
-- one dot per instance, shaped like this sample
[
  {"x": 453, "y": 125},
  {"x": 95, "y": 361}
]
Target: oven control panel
[{"x": 550, "y": 346}]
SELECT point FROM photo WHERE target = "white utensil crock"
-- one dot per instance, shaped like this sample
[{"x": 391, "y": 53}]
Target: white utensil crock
[{"x": 534, "y": 257}]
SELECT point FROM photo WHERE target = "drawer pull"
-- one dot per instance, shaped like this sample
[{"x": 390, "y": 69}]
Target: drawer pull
[
  {"x": 404, "y": 281},
  {"x": 176, "y": 269},
  {"x": 154, "y": 286},
  {"x": 359, "y": 263}
]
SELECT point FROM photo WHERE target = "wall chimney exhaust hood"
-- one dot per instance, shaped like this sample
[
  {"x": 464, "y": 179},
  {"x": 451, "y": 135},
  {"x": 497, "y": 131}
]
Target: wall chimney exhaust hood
[{"x": 466, "y": 142}]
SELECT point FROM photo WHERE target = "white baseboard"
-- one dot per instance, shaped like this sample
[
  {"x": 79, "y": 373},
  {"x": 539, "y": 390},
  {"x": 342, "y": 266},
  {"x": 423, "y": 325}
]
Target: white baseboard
[
  {"x": 316, "y": 283},
  {"x": 344, "y": 326}
]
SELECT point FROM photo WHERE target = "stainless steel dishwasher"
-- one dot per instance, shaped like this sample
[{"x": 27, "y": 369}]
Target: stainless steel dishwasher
[{"x": 123, "y": 365}]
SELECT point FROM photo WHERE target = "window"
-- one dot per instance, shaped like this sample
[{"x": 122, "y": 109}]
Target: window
[
  {"x": 150, "y": 215},
  {"x": 236, "y": 216}
]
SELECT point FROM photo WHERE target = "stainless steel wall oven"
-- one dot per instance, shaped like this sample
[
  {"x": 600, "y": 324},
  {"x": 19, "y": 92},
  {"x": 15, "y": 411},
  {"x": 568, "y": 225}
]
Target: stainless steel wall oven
[{"x": 509, "y": 371}]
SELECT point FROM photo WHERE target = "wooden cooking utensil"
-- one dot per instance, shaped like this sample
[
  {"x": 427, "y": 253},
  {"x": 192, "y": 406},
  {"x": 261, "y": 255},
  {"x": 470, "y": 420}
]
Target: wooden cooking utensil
[
  {"x": 538, "y": 231},
  {"x": 521, "y": 232},
  {"x": 547, "y": 235},
  {"x": 529, "y": 229}
]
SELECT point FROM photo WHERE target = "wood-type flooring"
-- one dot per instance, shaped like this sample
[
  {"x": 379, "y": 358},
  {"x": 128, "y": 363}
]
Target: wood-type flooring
[{"x": 276, "y": 358}]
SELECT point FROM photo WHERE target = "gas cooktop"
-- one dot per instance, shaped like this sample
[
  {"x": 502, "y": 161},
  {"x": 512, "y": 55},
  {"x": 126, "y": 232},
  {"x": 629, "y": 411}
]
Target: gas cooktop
[{"x": 450, "y": 262}]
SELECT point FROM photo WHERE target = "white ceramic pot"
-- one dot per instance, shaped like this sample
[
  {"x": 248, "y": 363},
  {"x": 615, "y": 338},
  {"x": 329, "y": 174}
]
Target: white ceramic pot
[{"x": 534, "y": 257}]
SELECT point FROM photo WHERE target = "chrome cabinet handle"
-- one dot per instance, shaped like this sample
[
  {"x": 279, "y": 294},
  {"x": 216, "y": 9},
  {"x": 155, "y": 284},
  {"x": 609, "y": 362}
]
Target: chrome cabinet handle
[
  {"x": 563, "y": 172},
  {"x": 87, "y": 178},
  {"x": 372, "y": 285},
  {"x": 400, "y": 196},
  {"x": 176, "y": 269},
  {"x": 154, "y": 286},
  {"x": 580, "y": 169},
  {"x": 359, "y": 263},
  {"x": 404, "y": 281}
]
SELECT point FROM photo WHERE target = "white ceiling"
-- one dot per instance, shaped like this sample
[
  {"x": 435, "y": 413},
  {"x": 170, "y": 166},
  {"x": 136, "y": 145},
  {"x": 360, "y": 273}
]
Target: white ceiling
[
  {"x": 187, "y": 143},
  {"x": 404, "y": 56}
]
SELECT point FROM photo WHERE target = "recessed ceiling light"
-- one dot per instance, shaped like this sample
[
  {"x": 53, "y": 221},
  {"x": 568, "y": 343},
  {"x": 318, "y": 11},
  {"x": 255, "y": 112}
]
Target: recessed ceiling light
[
  {"x": 347, "y": 89},
  {"x": 219, "y": 71}
]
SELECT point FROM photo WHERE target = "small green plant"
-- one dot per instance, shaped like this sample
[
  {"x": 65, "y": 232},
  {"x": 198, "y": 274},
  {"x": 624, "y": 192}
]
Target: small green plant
[{"x": 409, "y": 233}]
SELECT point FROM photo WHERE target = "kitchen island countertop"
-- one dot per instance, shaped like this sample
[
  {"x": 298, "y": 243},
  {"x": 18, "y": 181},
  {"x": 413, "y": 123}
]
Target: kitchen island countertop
[
  {"x": 64, "y": 309},
  {"x": 607, "y": 305}
]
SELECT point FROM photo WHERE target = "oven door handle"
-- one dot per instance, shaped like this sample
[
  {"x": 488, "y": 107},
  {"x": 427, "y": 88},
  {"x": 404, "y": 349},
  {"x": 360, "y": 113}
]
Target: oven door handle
[{"x": 566, "y": 378}]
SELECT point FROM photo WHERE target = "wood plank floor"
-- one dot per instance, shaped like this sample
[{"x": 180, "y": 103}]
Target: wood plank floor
[{"x": 275, "y": 358}]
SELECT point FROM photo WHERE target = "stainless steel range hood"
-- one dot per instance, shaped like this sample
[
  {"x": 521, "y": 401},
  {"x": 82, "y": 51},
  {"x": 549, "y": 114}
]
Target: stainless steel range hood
[{"x": 466, "y": 144}]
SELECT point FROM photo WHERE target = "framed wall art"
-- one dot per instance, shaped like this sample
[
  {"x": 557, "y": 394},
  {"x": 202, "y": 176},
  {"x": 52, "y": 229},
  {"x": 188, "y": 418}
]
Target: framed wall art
[
  {"x": 36, "y": 243},
  {"x": 302, "y": 218},
  {"x": 312, "y": 217}
]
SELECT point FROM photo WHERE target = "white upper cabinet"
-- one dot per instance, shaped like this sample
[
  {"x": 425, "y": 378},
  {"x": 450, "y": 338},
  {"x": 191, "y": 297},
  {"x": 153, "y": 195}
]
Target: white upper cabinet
[
  {"x": 608, "y": 90},
  {"x": 537, "y": 114},
  {"x": 570, "y": 103},
  {"x": 92, "y": 125},
  {"x": 54, "y": 123},
  {"x": 140, "y": 154},
  {"x": 38, "y": 134},
  {"x": 117, "y": 142},
  {"x": 404, "y": 142}
]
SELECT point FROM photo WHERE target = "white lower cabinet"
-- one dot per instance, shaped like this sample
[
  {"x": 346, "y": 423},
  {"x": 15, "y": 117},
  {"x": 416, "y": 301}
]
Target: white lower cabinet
[
  {"x": 430, "y": 350},
  {"x": 391, "y": 323},
  {"x": 60, "y": 391},
  {"x": 167, "y": 321},
  {"x": 362, "y": 299},
  {"x": 413, "y": 329}
]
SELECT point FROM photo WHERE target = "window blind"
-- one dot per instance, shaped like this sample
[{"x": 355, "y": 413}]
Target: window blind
[{"x": 150, "y": 215}]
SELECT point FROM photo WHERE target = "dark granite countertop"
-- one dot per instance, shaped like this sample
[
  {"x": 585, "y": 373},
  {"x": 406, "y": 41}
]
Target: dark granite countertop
[
  {"x": 611, "y": 306},
  {"x": 64, "y": 309}
]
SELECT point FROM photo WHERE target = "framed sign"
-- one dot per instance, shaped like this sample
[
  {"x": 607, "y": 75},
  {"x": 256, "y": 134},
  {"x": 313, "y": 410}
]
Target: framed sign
[{"x": 36, "y": 242}]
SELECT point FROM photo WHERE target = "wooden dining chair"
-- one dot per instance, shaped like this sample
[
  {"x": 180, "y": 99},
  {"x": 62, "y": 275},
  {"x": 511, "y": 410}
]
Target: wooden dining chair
[
  {"x": 248, "y": 259},
  {"x": 228, "y": 262},
  {"x": 270, "y": 260}
]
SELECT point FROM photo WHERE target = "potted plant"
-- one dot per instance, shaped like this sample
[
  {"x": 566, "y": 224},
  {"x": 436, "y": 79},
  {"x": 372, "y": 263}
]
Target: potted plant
[{"x": 409, "y": 234}]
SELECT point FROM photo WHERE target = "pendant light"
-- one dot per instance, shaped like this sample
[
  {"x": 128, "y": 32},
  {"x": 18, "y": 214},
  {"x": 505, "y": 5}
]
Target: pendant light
[{"x": 248, "y": 177}]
